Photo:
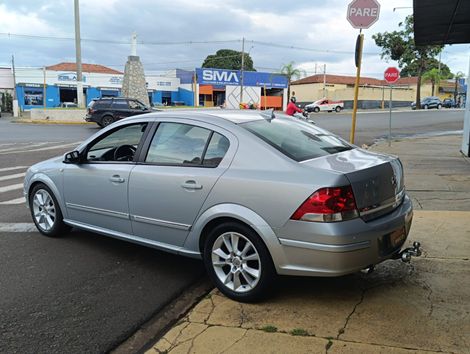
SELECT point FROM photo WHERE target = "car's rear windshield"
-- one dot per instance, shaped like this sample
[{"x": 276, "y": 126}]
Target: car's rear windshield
[{"x": 296, "y": 139}]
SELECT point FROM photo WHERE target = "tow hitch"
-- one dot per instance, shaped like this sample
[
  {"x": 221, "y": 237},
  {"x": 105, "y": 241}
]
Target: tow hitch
[{"x": 409, "y": 252}]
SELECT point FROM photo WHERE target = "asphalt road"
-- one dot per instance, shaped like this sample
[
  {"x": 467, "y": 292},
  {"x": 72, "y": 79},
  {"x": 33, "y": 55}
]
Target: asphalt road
[
  {"x": 82, "y": 293},
  {"x": 87, "y": 293}
]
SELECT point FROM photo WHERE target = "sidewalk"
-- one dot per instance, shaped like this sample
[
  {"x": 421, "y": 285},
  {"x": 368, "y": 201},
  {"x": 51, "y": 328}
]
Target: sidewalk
[{"x": 420, "y": 307}]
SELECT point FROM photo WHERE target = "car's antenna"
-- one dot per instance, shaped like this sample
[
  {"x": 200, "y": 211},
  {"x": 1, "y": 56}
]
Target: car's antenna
[{"x": 268, "y": 115}]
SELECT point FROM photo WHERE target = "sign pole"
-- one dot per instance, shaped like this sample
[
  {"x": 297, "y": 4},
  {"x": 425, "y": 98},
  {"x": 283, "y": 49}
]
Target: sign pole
[
  {"x": 390, "y": 118},
  {"x": 356, "y": 84}
]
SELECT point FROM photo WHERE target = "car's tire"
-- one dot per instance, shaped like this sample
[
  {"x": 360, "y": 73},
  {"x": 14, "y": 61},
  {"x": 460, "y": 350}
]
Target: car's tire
[
  {"x": 338, "y": 109},
  {"x": 316, "y": 109},
  {"x": 107, "y": 120},
  {"x": 45, "y": 211},
  {"x": 425, "y": 106},
  {"x": 243, "y": 274},
  {"x": 439, "y": 106}
]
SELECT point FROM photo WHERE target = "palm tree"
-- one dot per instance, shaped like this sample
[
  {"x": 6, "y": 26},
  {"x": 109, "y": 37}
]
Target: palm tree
[
  {"x": 291, "y": 72},
  {"x": 435, "y": 76},
  {"x": 457, "y": 77}
]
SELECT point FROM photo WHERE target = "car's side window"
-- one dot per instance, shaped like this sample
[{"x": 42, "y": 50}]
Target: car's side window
[
  {"x": 216, "y": 150},
  {"x": 178, "y": 144},
  {"x": 120, "y": 104},
  {"x": 119, "y": 145},
  {"x": 135, "y": 105}
]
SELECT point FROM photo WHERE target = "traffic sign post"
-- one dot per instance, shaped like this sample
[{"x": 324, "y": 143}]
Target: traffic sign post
[
  {"x": 391, "y": 75},
  {"x": 361, "y": 14}
]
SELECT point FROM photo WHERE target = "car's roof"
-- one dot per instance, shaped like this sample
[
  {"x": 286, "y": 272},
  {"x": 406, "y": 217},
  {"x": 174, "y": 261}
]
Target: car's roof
[{"x": 233, "y": 115}]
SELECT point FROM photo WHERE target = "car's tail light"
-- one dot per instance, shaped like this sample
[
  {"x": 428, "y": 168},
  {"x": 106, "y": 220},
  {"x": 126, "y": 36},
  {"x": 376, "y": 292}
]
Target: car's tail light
[{"x": 328, "y": 205}]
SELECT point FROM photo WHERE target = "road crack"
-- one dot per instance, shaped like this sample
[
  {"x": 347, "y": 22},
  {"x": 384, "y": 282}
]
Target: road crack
[{"x": 343, "y": 329}]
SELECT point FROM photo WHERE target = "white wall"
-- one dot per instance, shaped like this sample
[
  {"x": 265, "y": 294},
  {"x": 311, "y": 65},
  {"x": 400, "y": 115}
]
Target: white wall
[
  {"x": 36, "y": 76},
  {"x": 250, "y": 95},
  {"x": 6, "y": 79}
]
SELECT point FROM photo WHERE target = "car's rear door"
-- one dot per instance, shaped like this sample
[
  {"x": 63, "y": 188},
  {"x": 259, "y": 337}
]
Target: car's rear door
[
  {"x": 120, "y": 108},
  {"x": 179, "y": 166}
]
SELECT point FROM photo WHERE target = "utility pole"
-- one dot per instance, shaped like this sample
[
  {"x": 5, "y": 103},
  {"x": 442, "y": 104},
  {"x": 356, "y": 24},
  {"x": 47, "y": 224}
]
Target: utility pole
[
  {"x": 78, "y": 54},
  {"x": 242, "y": 69},
  {"x": 44, "y": 96},
  {"x": 324, "y": 80},
  {"x": 14, "y": 76},
  {"x": 316, "y": 68},
  {"x": 15, "y": 99}
]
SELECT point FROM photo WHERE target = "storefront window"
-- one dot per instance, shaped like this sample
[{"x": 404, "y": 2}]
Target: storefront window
[{"x": 33, "y": 96}]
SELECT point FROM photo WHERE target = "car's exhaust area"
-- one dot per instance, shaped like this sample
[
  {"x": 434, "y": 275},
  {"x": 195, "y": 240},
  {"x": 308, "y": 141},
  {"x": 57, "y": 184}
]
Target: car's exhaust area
[{"x": 406, "y": 254}]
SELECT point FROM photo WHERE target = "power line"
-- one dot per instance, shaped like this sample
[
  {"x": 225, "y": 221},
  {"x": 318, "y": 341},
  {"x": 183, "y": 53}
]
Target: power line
[{"x": 30, "y": 36}]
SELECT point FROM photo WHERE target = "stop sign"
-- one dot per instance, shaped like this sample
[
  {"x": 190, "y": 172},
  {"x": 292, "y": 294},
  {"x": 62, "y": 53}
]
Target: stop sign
[
  {"x": 363, "y": 13},
  {"x": 391, "y": 75}
]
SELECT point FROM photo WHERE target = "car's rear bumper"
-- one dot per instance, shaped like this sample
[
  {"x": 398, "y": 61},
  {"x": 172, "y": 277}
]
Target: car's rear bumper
[{"x": 333, "y": 249}]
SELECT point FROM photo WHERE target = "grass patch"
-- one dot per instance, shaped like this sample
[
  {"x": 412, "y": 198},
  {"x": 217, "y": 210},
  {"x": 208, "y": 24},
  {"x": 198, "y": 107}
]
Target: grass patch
[
  {"x": 269, "y": 329},
  {"x": 299, "y": 332},
  {"x": 329, "y": 344}
]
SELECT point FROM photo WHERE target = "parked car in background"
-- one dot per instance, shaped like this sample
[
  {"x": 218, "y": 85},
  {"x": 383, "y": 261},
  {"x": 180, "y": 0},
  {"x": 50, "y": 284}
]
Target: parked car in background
[
  {"x": 429, "y": 102},
  {"x": 325, "y": 105},
  {"x": 448, "y": 103},
  {"x": 253, "y": 194},
  {"x": 68, "y": 105},
  {"x": 105, "y": 111}
]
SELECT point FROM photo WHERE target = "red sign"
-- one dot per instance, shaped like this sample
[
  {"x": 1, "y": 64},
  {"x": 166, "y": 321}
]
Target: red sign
[
  {"x": 363, "y": 13},
  {"x": 391, "y": 75}
]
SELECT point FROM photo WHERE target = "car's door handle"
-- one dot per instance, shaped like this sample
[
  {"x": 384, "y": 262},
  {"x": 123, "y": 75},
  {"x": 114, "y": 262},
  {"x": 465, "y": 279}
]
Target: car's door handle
[
  {"x": 117, "y": 179},
  {"x": 191, "y": 184}
]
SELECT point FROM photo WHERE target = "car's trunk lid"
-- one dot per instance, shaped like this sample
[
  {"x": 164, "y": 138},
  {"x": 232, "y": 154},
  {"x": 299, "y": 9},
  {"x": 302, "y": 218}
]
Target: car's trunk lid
[{"x": 376, "y": 179}]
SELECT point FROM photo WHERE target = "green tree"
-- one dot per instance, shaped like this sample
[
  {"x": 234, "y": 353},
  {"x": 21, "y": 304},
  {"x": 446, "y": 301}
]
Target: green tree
[
  {"x": 435, "y": 76},
  {"x": 291, "y": 72},
  {"x": 228, "y": 59},
  {"x": 400, "y": 46},
  {"x": 412, "y": 68}
]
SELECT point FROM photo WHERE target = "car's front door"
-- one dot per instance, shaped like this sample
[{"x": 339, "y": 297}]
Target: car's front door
[
  {"x": 169, "y": 186},
  {"x": 95, "y": 190},
  {"x": 120, "y": 108}
]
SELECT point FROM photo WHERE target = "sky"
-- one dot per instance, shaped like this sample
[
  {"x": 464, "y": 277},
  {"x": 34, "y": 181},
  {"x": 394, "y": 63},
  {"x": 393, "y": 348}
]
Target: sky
[{"x": 166, "y": 29}]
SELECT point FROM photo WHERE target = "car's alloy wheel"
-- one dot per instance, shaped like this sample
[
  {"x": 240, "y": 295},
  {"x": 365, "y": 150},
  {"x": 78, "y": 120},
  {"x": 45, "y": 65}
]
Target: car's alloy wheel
[
  {"x": 439, "y": 106},
  {"x": 238, "y": 262},
  {"x": 46, "y": 212},
  {"x": 106, "y": 120},
  {"x": 338, "y": 109},
  {"x": 316, "y": 109},
  {"x": 426, "y": 106}
]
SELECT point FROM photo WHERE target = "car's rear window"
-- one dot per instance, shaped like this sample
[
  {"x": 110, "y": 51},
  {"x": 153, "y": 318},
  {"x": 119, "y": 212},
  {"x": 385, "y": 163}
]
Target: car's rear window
[
  {"x": 100, "y": 104},
  {"x": 296, "y": 139}
]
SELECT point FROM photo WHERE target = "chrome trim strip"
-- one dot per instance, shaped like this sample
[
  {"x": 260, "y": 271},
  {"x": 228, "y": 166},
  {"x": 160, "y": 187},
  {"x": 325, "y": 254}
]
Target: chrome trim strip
[
  {"x": 158, "y": 222},
  {"x": 100, "y": 211},
  {"x": 326, "y": 247},
  {"x": 391, "y": 202},
  {"x": 135, "y": 239}
]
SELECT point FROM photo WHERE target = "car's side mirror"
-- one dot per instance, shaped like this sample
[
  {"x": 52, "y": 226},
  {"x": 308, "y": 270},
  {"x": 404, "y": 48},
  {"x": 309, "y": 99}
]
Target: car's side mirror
[{"x": 72, "y": 157}]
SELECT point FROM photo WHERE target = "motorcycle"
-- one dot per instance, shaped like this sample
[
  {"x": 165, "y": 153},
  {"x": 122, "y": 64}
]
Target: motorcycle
[{"x": 304, "y": 116}]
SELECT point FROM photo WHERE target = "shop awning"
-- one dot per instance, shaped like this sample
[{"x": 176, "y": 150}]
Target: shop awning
[{"x": 441, "y": 22}]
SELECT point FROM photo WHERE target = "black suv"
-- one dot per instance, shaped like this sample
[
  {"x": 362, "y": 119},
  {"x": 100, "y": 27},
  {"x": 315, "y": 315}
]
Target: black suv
[
  {"x": 429, "y": 102},
  {"x": 105, "y": 111}
]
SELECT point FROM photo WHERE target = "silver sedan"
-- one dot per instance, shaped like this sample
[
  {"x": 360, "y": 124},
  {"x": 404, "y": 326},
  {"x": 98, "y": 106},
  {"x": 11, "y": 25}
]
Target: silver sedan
[{"x": 253, "y": 194}]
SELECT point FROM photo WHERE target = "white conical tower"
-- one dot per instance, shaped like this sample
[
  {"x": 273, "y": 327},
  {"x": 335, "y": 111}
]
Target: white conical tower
[{"x": 134, "y": 84}]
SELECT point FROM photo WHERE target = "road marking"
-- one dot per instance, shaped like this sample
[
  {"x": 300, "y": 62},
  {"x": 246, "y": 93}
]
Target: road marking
[
  {"x": 30, "y": 149},
  {"x": 12, "y": 168},
  {"x": 11, "y": 187},
  {"x": 17, "y": 227},
  {"x": 28, "y": 146},
  {"x": 14, "y": 201},
  {"x": 17, "y": 175}
]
